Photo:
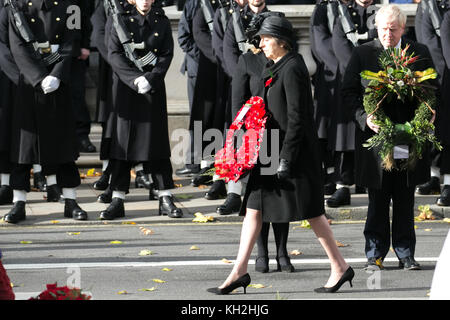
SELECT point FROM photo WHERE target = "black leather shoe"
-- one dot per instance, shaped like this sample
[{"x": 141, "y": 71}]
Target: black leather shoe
[
  {"x": 39, "y": 181},
  {"x": 73, "y": 210},
  {"x": 340, "y": 198},
  {"x": 232, "y": 204},
  {"x": 444, "y": 199},
  {"x": 431, "y": 187},
  {"x": 86, "y": 146},
  {"x": 408, "y": 263},
  {"x": 6, "y": 195},
  {"x": 153, "y": 193},
  {"x": 102, "y": 183},
  {"x": 284, "y": 264},
  {"x": 142, "y": 180},
  {"x": 168, "y": 208},
  {"x": 187, "y": 171},
  {"x": 329, "y": 188},
  {"x": 202, "y": 178},
  {"x": 373, "y": 265},
  {"x": 115, "y": 210},
  {"x": 217, "y": 191},
  {"x": 54, "y": 194},
  {"x": 16, "y": 214},
  {"x": 347, "y": 276},
  {"x": 105, "y": 197}
]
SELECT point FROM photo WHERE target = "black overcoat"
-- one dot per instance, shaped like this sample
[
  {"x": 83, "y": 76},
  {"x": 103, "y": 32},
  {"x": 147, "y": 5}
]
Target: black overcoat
[
  {"x": 289, "y": 101},
  {"x": 368, "y": 168},
  {"x": 43, "y": 125},
  {"x": 140, "y": 128}
]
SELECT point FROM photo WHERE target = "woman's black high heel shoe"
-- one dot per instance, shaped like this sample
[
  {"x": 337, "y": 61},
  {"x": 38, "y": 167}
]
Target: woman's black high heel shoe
[
  {"x": 347, "y": 276},
  {"x": 243, "y": 282},
  {"x": 284, "y": 264}
]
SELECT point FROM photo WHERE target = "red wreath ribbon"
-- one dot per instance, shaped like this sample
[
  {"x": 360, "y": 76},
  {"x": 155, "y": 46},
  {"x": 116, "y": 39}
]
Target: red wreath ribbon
[{"x": 231, "y": 164}]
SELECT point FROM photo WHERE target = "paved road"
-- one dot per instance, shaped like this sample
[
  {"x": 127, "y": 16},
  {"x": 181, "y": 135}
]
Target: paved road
[{"x": 85, "y": 256}]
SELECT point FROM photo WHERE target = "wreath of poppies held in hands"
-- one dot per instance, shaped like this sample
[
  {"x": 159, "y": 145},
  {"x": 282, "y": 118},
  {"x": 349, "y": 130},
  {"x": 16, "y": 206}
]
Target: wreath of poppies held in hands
[
  {"x": 231, "y": 164},
  {"x": 397, "y": 81}
]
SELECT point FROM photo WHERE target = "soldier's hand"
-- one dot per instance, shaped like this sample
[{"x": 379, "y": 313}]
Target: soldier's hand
[
  {"x": 142, "y": 85},
  {"x": 371, "y": 124},
  {"x": 50, "y": 84},
  {"x": 84, "y": 54}
]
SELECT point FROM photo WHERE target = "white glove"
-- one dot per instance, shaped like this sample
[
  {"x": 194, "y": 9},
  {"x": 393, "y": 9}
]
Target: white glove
[
  {"x": 142, "y": 84},
  {"x": 50, "y": 84}
]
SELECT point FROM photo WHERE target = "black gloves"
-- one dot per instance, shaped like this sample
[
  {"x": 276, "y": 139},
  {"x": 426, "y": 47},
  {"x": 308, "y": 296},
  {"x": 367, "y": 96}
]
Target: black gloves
[{"x": 284, "y": 170}]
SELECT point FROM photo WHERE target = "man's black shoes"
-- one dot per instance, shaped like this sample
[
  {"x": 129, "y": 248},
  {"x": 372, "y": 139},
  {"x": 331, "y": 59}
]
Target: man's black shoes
[
  {"x": 217, "y": 191},
  {"x": 409, "y": 263},
  {"x": 444, "y": 199},
  {"x": 340, "y": 198},
  {"x": 115, "y": 210},
  {"x": 431, "y": 187},
  {"x": 188, "y": 170},
  {"x": 231, "y": 205},
  {"x": 16, "y": 214},
  {"x": 168, "y": 208},
  {"x": 73, "y": 210},
  {"x": 6, "y": 195}
]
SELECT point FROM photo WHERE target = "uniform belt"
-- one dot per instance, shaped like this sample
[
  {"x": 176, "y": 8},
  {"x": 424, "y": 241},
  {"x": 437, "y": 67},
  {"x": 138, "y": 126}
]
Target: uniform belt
[{"x": 52, "y": 51}]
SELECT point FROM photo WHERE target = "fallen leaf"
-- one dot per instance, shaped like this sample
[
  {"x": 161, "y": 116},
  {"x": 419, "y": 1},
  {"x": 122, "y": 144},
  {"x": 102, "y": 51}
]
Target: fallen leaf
[
  {"x": 178, "y": 185},
  {"x": 340, "y": 244},
  {"x": 425, "y": 213},
  {"x": 26, "y": 242},
  {"x": 122, "y": 292},
  {"x": 116, "y": 242},
  {"x": 379, "y": 263},
  {"x": 73, "y": 233},
  {"x": 199, "y": 217},
  {"x": 224, "y": 260},
  {"x": 54, "y": 221},
  {"x": 146, "y": 231},
  {"x": 148, "y": 289},
  {"x": 166, "y": 269},
  {"x": 82, "y": 176},
  {"x": 428, "y": 229},
  {"x": 194, "y": 248},
  {"x": 158, "y": 280},
  {"x": 202, "y": 186},
  {"x": 90, "y": 173},
  {"x": 257, "y": 286},
  {"x": 184, "y": 196},
  {"x": 145, "y": 253},
  {"x": 128, "y": 222},
  {"x": 295, "y": 252}
]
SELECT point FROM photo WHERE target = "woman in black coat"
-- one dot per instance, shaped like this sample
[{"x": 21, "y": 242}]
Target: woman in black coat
[
  {"x": 295, "y": 190},
  {"x": 139, "y": 127}
]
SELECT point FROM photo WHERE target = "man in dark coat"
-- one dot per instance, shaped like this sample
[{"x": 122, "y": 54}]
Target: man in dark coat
[
  {"x": 9, "y": 78},
  {"x": 43, "y": 126},
  {"x": 431, "y": 37},
  {"x": 354, "y": 27},
  {"x": 325, "y": 81},
  {"x": 384, "y": 185}
]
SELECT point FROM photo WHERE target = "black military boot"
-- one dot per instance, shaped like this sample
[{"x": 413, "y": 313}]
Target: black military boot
[
  {"x": 73, "y": 210},
  {"x": 142, "y": 180},
  {"x": 168, "y": 208},
  {"x": 340, "y": 198},
  {"x": 39, "y": 181},
  {"x": 6, "y": 195},
  {"x": 431, "y": 187},
  {"x": 102, "y": 183},
  {"x": 54, "y": 194},
  {"x": 232, "y": 204},
  {"x": 16, "y": 214},
  {"x": 115, "y": 210},
  {"x": 105, "y": 197},
  {"x": 188, "y": 170},
  {"x": 444, "y": 199},
  {"x": 217, "y": 191},
  {"x": 202, "y": 177},
  {"x": 153, "y": 193}
]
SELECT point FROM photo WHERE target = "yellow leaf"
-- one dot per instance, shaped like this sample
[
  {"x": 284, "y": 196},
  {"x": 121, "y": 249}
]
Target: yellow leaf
[
  {"x": 379, "y": 263},
  {"x": 166, "y": 269},
  {"x": 199, "y": 217},
  {"x": 128, "y": 222},
  {"x": 122, "y": 292},
  {"x": 178, "y": 185},
  {"x": 26, "y": 242},
  {"x": 145, "y": 253},
  {"x": 257, "y": 286},
  {"x": 73, "y": 233},
  {"x": 224, "y": 260},
  {"x": 340, "y": 244},
  {"x": 148, "y": 289},
  {"x": 54, "y": 221},
  {"x": 146, "y": 231},
  {"x": 305, "y": 224},
  {"x": 158, "y": 281},
  {"x": 295, "y": 252},
  {"x": 194, "y": 248},
  {"x": 116, "y": 242},
  {"x": 429, "y": 229},
  {"x": 447, "y": 220},
  {"x": 90, "y": 173}
]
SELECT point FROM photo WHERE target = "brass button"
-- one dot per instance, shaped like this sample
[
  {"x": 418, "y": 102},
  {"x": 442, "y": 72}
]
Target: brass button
[
  {"x": 55, "y": 3},
  {"x": 155, "y": 50},
  {"x": 32, "y": 20},
  {"x": 57, "y": 36},
  {"x": 58, "y": 19},
  {"x": 30, "y": 3},
  {"x": 131, "y": 19},
  {"x": 156, "y": 34}
]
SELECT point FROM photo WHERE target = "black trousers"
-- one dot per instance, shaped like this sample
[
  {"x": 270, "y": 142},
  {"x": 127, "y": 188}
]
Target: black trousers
[
  {"x": 377, "y": 229},
  {"x": 160, "y": 170},
  {"x": 78, "y": 91},
  {"x": 67, "y": 175},
  {"x": 344, "y": 167},
  {"x": 5, "y": 164}
]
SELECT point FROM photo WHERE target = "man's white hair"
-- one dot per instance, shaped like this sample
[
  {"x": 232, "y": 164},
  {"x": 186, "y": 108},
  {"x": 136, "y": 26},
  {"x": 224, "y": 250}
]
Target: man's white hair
[{"x": 393, "y": 13}]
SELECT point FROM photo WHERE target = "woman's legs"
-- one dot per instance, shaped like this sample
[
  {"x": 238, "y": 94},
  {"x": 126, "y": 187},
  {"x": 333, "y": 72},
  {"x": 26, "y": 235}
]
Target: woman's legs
[
  {"x": 325, "y": 236},
  {"x": 251, "y": 227}
]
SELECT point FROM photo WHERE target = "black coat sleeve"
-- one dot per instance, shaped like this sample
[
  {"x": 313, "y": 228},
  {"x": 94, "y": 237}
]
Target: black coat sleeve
[
  {"x": 202, "y": 35},
  {"x": 217, "y": 39},
  {"x": 231, "y": 50},
  {"x": 342, "y": 47},
  {"x": 98, "y": 21},
  {"x": 445, "y": 38},
  {"x": 432, "y": 41},
  {"x": 7, "y": 63},
  {"x": 185, "y": 34}
]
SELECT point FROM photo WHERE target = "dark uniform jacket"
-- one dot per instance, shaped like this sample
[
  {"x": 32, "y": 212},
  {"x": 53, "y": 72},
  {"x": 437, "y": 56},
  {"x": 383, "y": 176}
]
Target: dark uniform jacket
[
  {"x": 140, "y": 130},
  {"x": 433, "y": 41},
  {"x": 289, "y": 101},
  {"x": 186, "y": 39},
  {"x": 368, "y": 169},
  {"x": 43, "y": 124}
]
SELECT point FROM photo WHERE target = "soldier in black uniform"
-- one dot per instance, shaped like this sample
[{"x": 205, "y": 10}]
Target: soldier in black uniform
[
  {"x": 140, "y": 128},
  {"x": 9, "y": 78},
  {"x": 433, "y": 11},
  {"x": 80, "y": 62},
  {"x": 354, "y": 27},
  {"x": 43, "y": 126},
  {"x": 325, "y": 81}
]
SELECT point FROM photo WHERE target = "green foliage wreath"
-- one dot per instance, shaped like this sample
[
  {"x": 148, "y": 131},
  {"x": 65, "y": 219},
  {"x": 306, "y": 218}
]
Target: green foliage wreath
[{"x": 397, "y": 81}]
